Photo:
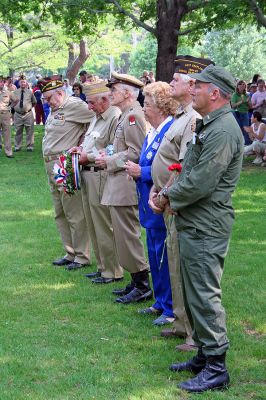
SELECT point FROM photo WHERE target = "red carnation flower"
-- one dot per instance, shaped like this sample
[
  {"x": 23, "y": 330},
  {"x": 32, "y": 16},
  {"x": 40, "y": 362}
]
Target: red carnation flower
[{"x": 175, "y": 168}]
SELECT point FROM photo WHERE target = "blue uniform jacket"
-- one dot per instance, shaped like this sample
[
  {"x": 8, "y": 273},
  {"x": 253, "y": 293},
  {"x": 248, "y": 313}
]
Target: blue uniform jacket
[{"x": 147, "y": 218}]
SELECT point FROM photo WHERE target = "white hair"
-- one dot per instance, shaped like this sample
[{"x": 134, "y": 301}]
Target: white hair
[
  {"x": 185, "y": 77},
  {"x": 133, "y": 90}
]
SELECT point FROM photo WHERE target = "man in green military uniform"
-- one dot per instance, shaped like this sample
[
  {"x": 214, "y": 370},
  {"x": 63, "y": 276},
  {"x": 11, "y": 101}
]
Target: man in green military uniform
[{"x": 201, "y": 199}]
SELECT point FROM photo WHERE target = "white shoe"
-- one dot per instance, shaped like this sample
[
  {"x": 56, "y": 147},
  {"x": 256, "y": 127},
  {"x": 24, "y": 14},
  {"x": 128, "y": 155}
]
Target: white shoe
[{"x": 257, "y": 161}]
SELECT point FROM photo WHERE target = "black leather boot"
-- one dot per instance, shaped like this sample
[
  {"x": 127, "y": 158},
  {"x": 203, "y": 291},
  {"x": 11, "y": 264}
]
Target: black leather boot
[
  {"x": 213, "y": 377},
  {"x": 195, "y": 364},
  {"x": 123, "y": 291},
  {"x": 142, "y": 290}
]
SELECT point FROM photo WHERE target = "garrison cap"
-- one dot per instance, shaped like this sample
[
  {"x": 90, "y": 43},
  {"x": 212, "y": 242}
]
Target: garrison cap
[
  {"x": 124, "y": 78},
  {"x": 218, "y": 76},
  {"x": 52, "y": 85},
  {"x": 97, "y": 88}
]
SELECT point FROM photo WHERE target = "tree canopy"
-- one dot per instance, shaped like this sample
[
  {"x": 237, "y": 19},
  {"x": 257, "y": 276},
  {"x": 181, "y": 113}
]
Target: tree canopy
[{"x": 166, "y": 20}]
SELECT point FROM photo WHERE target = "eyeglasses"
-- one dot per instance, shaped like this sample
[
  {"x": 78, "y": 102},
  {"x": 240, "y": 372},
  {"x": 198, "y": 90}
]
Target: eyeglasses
[{"x": 47, "y": 99}]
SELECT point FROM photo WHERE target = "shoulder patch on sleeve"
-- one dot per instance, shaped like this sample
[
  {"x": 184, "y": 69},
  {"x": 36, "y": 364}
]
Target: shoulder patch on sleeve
[{"x": 132, "y": 120}]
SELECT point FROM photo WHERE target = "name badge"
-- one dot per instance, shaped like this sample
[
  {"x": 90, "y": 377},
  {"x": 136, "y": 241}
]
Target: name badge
[
  {"x": 155, "y": 145},
  {"x": 59, "y": 119}
]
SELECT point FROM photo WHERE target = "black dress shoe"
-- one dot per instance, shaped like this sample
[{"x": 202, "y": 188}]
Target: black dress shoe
[
  {"x": 135, "y": 296},
  {"x": 62, "y": 261},
  {"x": 195, "y": 364},
  {"x": 10, "y": 156},
  {"x": 123, "y": 291},
  {"x": 93, "y": 275},
  {"x": 75, "y": 265},
  {"x": 101, "y": 279},
  {"x": 213, "y": 377}
]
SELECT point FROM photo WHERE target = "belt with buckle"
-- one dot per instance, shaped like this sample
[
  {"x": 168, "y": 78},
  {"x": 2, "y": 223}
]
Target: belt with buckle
[
  {"x": 23, "y": 113},
  {"x": 51, "y": 158},
  {"x": 92, "y": 169}
]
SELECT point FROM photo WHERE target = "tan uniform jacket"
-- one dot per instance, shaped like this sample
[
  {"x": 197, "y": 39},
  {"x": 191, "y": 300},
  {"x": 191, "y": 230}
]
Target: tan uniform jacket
[
  {"x": 174, "y": 145},
  {"x": 101, "y": 132},
  {"x": 65, "y": 126},
  {"x": 129, "y": 138},
  {"x": 29, "y": 101},
  {"x": 6, "y": 97}
]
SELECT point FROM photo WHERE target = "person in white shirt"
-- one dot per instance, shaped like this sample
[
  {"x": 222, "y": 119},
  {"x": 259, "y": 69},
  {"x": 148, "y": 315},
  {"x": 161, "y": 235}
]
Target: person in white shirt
[
  {"x": 67, "y": 88},
  {"x": 257, "y": 133}
]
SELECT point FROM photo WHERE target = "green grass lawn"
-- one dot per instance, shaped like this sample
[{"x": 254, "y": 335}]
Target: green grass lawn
[{"x": 62, "y": 338}]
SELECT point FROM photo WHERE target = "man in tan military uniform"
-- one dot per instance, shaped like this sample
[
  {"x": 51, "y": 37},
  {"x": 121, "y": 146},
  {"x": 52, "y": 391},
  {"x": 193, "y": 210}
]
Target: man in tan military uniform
[
  {"x": 23, "y": 116},
  {"x": 65, "y": 126},
  {"x": 6, "y": 98},
  {"x": 99, "y": 135},
  {"x": 120, "y": 192},
  {"x": 172, "y": 150}
]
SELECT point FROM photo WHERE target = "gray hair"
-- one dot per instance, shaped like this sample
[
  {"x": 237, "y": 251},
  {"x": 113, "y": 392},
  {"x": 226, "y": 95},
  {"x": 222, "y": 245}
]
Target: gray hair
[
  {"x": 185, "y": 77},
  {"x": 133, "y": 90},
  {"x": 224, "y": 95}
]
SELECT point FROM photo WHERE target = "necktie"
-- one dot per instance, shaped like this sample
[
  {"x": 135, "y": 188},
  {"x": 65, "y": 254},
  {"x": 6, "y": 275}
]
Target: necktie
[{"x": 21, "y": 99}]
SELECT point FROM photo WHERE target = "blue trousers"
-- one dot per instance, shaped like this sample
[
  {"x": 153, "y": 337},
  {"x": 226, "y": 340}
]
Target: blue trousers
[
  {"x": 159, "y": 271},
  {"x": 242, "y": 120}
]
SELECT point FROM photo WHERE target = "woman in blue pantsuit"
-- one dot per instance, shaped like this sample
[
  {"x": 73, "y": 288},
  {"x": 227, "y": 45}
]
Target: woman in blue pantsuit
[{"x": 159, "y": 108}]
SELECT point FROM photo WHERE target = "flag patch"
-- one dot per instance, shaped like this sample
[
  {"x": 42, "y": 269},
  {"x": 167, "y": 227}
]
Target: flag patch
[{"x": 132, "y": 120}]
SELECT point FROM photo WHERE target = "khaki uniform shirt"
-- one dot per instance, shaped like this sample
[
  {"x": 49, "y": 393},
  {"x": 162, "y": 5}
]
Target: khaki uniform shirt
[
  {"x": 101, "y": 132},
  {"x": 211, "y": 169},
  {"x": 174, "y": 145},
  {"x": 65, "y": 126},
  {"x": 29, "y": 101},
  {"x": 5, "y": 99},
  {"x": 129, "y": 137}
]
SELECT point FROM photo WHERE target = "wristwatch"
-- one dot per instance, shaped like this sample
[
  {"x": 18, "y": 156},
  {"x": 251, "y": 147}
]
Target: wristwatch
[{"x": 164, "y": 192}]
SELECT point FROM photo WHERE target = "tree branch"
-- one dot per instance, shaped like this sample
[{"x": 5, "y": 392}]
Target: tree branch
[
  {"x": 132, "y": 16},
  {"x": 183, "y": 33},
  {"x": 1, "y": 41},
  {"x": 21, "y": 67},
  {"x": 198, "y": 5},
  {"x": 23, "y": 41},
  {"x": 258, "y": 12}
]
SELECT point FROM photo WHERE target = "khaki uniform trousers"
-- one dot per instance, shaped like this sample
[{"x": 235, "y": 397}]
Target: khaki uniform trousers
[
  {"x": 127, "y": 233},
  {"x": 70, "y": 220},
  {"x": 99, "y": 224},
  {"x": 6, "y": 131},
  {"x": 202, "y": 262},
  {"x": 181, "y": 323},
  {"x": 21, "y": 121}
]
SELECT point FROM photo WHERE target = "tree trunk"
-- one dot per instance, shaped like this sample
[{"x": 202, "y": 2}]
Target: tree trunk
[
  {"x": 71, "y": 54},
  {"x": 169, "y": 17},
  {"x": 74, "y": 64}
]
